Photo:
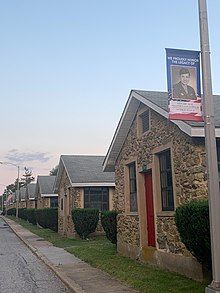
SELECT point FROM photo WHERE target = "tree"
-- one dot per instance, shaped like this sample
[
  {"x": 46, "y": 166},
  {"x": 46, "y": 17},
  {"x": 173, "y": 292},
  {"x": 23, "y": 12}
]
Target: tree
[
  {"x": 24, "y": 181},
  {"x": 27, "y": 177},
  {"x": 54, "y": 171}
]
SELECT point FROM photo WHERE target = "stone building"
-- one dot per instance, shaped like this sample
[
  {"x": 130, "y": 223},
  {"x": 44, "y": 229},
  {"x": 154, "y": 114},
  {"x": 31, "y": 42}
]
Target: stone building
[
  {"x": 30, "y": 196},
  {"x": 81, "y": 183},
  {"x": 44, "y": 194},
  {"x": 159, "y": 165},
  {"x": 22, "y": 198}
]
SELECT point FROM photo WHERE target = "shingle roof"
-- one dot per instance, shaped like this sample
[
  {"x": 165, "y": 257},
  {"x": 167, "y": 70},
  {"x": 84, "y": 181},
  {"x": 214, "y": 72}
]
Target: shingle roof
[
  {"x": 46, "y": 184},
  {"x": 161, "y": 100},
  {"x": 85, "y": 169},
  {"x": 22, "y": 192},
  {"x": 31, "y": 190},
  {"x": 157, "y": 101}
]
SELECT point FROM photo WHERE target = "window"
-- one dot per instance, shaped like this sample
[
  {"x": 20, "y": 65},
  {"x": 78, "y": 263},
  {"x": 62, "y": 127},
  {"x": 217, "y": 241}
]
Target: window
[
  {"x": 61, "y": 204},
  {"x": 96, "y": 197},
  {"x": 145, "y": 121},
  {"x": 166, "y": 181},
  {"x": 218, "y": 156},
  {"x": 132, "y": 187},
  {"x": 53, "y": 202}
]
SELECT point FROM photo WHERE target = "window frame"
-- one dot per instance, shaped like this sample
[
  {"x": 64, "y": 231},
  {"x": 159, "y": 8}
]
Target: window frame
[
  {"x": 87, "y": 203},
  {"x": 132, "y": 178},
  {"x": 218, "y": 156},
  {"x": 61, "y": 204},
  {"x": 52, "y": 200},
  {"x": 166, "y": 189},
  {"x": 143, "y": 120}
]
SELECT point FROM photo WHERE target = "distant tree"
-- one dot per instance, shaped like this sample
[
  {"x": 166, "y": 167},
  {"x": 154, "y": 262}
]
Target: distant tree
[
  {"x": 24, "y": 181},
  {"x": 27, "y": 177},
  {"x": 54, "y": 171},
  {"x": 11, "y": 187}
]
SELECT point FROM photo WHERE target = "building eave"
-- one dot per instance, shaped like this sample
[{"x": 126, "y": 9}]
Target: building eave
[
  {"x": 126, "y": 121},
  {"x": 94, "y": 184},
  {"x": 49, "y": 195}
]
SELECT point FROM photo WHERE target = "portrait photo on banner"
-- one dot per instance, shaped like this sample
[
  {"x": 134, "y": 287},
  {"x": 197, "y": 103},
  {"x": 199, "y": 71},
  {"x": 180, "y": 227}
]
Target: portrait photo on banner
[{"x": 184, "y": 83}]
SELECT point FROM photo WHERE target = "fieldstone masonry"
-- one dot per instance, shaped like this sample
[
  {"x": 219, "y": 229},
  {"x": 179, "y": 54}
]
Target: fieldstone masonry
[
  {"x": 189, "y": 178},
  {"x": 31, "y": 204},
  {"x": 42, "y": 202},
  {"x": 72, "y": 197},
  {"x": 128, "y": 229}
]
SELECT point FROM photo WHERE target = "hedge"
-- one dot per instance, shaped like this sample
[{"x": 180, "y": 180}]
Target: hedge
[
  {"x": 22, "y": 213},
  {"x": 47, "y": 218},
  {"x": 31, "y": 216},
  {"x": 11, "y": 212},
  {"x": 109, "y": 224},
  {"x": 85, "y": 221},
  {"x": 192, "y": 221}
]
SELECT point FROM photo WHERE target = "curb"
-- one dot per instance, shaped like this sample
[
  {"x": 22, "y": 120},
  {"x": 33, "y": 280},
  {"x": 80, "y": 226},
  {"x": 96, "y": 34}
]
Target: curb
[{"x": 74, "y": 287}]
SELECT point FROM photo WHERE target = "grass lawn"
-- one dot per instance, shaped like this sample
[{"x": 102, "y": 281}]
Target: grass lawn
[{"x": 100, "y": 253}]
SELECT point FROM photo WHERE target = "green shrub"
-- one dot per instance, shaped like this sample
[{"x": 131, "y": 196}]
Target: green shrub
[
  {"x": 109, "y": 224},
  {"x": 22, "y": 213},
  {"x": 192, "y": 221},
  {"x": 31, "y": 216},
  {"x": 11, "y": 212},
  {"x": 47, "y": 218},
  {"x": 85, "y": 221}
]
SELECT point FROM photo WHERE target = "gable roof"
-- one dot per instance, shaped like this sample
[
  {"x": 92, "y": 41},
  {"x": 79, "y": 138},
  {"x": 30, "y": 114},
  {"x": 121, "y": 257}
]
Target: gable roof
[
  {"x": 22, "y": 193},
  {"x": 160, "y": 99},
  {"x": 31, "y": 190},
  {"x": 157, "y": 101},
  {"x": 84, "y": 170},
  {"x": 46, "y": 184}
]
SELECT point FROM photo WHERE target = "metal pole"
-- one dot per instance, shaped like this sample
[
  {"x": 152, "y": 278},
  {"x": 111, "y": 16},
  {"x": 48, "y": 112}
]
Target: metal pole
[
  {"x": 211, "y": 155},
  {"x": 2, "y": 203},
  {"x": 6, "y": 203},
  {"x": 17, "y": 197}
]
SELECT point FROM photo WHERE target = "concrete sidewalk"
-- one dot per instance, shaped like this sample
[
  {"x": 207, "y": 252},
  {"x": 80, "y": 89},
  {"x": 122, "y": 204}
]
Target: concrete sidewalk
[{"x": 76, "y": 274}]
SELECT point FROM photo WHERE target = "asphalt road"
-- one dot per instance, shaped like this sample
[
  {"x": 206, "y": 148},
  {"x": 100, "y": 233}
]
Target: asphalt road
[{"x": 20, "y": 270}]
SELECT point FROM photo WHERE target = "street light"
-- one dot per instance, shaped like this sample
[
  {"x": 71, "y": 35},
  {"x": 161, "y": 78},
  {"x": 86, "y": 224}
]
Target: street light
[
  {"x": 17, "y": 197},
  {"x": 211, "y": 156}
]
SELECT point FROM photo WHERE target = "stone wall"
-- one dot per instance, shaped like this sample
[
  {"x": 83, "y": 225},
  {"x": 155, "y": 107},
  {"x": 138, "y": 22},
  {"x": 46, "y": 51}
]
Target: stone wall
[
  {"x": 128, "y": 229},
  {"x": 22, "y": 204},
  {"x": 31, "y": 204},
  {"x": 75, "y": 201},
  {"x": 189, "y": 178},
  {"x": 72, "y": 198},
  {"x": 62, "y": 193},
  {"x": 43, "y": 202}
]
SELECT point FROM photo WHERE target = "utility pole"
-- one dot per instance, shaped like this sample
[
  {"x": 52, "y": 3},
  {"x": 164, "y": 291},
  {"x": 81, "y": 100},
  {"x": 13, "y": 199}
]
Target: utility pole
[
  {"x": 17, "y": 197},
  {"x": 2, "y": 203},
  {"x": 211, "y": 154}
]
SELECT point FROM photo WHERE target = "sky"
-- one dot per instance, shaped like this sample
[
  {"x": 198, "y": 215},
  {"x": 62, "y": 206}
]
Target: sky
[{"x": 67, "y": 67}]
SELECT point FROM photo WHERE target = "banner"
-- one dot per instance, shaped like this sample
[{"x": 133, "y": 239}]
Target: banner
[{"x": 183, "y": 83}]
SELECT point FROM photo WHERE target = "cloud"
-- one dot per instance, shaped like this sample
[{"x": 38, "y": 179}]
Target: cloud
[
  {"x": 22, "y": 157},
  {"x": 13, "y": 150}
]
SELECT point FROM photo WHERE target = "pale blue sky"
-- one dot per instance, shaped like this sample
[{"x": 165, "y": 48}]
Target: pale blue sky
[{"x": 66, "y": 69}]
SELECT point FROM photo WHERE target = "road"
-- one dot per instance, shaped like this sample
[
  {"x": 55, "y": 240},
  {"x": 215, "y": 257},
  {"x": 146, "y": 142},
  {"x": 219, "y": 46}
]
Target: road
[{"x": 20, "y": 270}]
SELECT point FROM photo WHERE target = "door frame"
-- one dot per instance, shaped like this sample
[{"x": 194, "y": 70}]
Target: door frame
[{"x": 150, "y": 228}]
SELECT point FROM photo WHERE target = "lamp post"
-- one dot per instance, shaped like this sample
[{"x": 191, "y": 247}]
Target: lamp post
[
  {"x": 211, "y": 156},
  {"x": 17, "y": 196},
  {"x": 2, "y": 203}
]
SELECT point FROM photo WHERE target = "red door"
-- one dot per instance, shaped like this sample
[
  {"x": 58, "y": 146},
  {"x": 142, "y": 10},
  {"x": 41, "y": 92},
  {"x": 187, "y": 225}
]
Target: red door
[{"x": 150, "y": 209}]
